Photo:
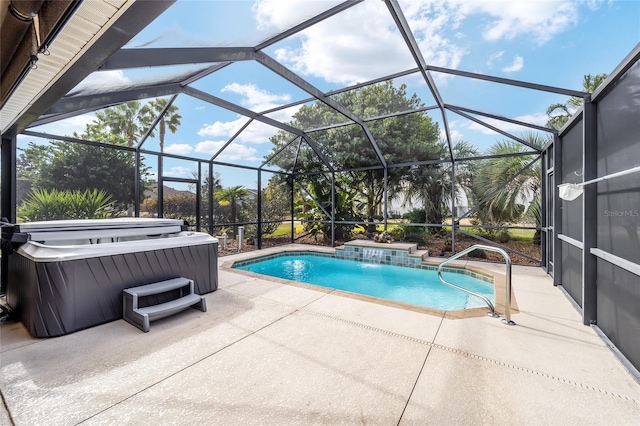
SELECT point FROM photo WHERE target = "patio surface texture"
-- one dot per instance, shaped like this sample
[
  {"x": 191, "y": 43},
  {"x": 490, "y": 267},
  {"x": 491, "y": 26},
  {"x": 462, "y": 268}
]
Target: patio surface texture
[{"x": 267, "y": 353}]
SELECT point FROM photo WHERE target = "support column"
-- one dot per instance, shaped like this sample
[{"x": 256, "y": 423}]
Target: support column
[
  {"x": 136, "y": 188},
  {"x": 453, "y": 207},
  {"x": 293, "y": 223},
  {"x": 8, "y": 202},
  {"x": 544, "y": 233},
  {"x": 199, "y": 199},
  {"x": 385, "y": 195},
  {"x": 333, "y": 209},
  {"x": 259, "y": 195},
  {"x": 210, "y": 199},
  {"x": 558, "y": 176},
  {"x": 589, "y": 206},
  {"x": 160, "y": 187}
]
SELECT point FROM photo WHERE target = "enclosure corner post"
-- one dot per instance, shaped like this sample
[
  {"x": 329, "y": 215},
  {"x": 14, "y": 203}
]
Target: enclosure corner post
[
  {"x": 259, "y": 195},
  {"x": 385, "y": 198},
  {"x": 589, "y": 209},
  {"x": 136, "y": 187},
  {"x": 556, "y": 257},
  {"x": 333, "y": 209},
  {"x": 8, "y": 188}
]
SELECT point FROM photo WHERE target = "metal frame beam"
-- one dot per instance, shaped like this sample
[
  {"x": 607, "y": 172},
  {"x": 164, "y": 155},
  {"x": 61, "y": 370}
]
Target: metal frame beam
[
  {"x": 156, "y": 121},
  {"x": 231, "y": 139},
  {"x": 308, "y": 23},
  {"x": 405, "y": 30},
  {"x": 155, "y": 57},
  {"x": 510, "y": 82},
  {"x": 282, "y": 148},
  {"x": 214, "y": 100},
  {"x": 495, "y": 129},
  {"x": 75, "y": 105},
  {"x": 501, "y": 118}
]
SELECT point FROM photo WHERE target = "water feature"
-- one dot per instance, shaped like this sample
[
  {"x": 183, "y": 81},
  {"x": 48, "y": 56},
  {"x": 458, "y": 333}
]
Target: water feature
[{"x": 372, "y": 254}]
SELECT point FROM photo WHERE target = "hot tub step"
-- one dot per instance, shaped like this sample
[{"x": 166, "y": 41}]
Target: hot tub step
[{"x": 140, "y": 317}]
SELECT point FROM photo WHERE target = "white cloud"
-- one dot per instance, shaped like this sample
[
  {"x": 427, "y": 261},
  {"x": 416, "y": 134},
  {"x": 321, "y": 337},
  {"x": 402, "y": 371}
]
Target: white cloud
[
  {"x": 67, "y": 126},
  {"x": 178, "y": 171},
  {"x": 336, "y": 48},
  {"x": 200, "y": 108},
  {"x": 518, "y": 63},
  {"x": 255, "y": 98},
  {"x": 233, "y": 152},
  {"x": 266, "y": 12},
  {"x": 222, "y": 128},
  {"x": 256, "y": 132},
  {"x": 178, "y": 148},
  {"x": 366, "y": 34},
  {"x": 538, "y": 20},
  {"x": 495, "y": 57},
  {"x": 100, "y": 81},
  {"x": 455, "y": 135}
]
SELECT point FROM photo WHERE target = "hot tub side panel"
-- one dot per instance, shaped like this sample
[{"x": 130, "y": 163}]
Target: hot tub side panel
[{"x": 57, "y": 298}]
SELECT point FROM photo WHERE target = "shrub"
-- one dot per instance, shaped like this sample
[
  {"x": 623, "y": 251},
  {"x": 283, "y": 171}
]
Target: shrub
[
  {"x": 478, "y": 254},
  {"x": 503, "y": 236},
  {"x": 416, "y": 234},
  {"x": 57, "y": 205},
  {"x": 397, "y": 234},
  {"x": 416, "y": 216}
]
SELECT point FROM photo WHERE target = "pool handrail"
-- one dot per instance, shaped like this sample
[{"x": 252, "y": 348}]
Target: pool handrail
[{"x": 507, "y": 258}]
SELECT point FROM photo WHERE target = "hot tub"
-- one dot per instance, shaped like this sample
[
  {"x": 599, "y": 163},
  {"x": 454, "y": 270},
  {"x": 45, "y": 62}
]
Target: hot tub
[{"x": 68, "y": 275}]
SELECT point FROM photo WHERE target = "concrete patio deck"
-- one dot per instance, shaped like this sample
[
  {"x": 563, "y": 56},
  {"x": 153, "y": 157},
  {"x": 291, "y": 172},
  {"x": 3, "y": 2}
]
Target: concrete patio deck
[{"x": 271, "y": 353}]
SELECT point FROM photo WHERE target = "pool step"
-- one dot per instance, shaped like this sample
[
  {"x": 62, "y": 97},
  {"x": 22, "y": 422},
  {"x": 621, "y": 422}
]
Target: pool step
[
  {"x": 140, "y": 317},
  {"x": 422, "y": 254}
]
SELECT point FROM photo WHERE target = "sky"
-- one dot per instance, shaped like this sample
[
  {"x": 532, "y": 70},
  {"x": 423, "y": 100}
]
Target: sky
[{"x": 539, "y": 41}]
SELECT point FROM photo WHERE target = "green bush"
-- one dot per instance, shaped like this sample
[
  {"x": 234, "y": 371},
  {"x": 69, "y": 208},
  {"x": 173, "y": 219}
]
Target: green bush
[
  {"x": 416, "y": 216},
  {"x": 397, "y": 234},
  {"x": 57, "y": 205},
  {"x": 416, "y": 234}
]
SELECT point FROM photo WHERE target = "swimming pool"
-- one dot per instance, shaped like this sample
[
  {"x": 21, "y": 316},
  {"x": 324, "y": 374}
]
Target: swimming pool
[{"x": 401, "y": 284}]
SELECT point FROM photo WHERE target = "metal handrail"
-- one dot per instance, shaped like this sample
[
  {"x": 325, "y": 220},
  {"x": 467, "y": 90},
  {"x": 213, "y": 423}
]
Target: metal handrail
[{"x": 507, "y": 312}]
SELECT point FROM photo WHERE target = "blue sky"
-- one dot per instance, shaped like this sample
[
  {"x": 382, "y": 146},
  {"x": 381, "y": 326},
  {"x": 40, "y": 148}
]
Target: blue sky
[{"x": 539, "y": 41}]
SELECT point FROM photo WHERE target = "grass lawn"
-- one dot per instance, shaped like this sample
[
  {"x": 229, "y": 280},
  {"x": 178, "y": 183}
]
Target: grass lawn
[
  {"x": 285, "y": 230},
  {"x": 525, "y": 235}
]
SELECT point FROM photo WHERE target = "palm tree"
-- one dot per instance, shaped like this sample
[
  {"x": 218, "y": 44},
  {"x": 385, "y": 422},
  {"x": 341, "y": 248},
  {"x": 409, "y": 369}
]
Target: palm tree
[
  {"x": 506, "y": 194},
  {"x": 125, "y": 120},
  {"x": 169, "y": 120},
  {"x": 558, "y": 114},
  {"x": 431, "y": 184},
  {"x": 230, "y": 197}
]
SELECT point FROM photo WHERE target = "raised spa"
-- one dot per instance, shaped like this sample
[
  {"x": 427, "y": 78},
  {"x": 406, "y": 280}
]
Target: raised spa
[
  {"x": 416, "y": 286},
  {"x": 67, "y": 275}
]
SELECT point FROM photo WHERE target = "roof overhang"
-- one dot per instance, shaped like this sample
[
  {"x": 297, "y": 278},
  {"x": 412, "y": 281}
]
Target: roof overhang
[{"x": 95, "y": 31}]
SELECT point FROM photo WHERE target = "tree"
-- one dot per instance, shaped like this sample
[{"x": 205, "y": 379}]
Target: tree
[
  {"x": 230, "y": 197},
  {"x": 128, "y": 120},
  {"x": 558, "y": 114},
  {"x": 402, "y": 138},
  {"x": 80, "y": 167},
  {"x": 431, "y": 184},
  {"x": 505, "y": 195},
  {"x": 169, "y": 120}
]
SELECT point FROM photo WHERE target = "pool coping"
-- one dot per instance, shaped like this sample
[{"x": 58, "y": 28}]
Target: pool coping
[{"x": 499, "y": 284}]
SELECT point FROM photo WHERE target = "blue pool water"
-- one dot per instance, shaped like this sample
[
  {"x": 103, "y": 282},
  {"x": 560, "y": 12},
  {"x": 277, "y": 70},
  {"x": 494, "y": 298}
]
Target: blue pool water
[{"x": 415, "y": 286}]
